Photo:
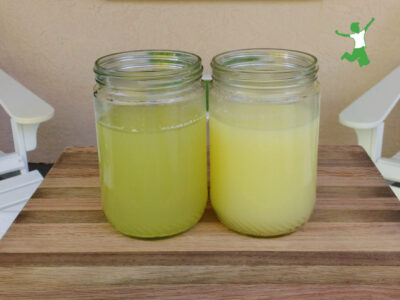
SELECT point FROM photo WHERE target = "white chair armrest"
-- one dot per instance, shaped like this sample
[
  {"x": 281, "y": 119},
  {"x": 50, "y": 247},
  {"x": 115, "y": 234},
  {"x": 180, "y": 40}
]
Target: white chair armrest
[
  {"x": 21, "y": 104},
  {"x": 374, "y": 106}
]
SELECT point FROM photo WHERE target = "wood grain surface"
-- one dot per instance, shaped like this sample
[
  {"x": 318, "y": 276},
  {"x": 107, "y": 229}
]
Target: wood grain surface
[{"x": 61, "y": 245}]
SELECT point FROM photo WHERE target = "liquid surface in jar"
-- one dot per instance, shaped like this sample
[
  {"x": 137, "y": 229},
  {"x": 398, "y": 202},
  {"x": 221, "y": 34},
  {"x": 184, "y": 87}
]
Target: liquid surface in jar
[
  {"x": 263, "y": 163},
  {"x": 153, "y": 167}
]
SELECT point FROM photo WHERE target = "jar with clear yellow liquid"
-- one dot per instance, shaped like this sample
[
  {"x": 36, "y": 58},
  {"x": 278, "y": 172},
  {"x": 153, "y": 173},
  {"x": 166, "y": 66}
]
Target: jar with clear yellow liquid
[
  {"x": 152, "y": 141},
  {"x": 264, "y": 121}
]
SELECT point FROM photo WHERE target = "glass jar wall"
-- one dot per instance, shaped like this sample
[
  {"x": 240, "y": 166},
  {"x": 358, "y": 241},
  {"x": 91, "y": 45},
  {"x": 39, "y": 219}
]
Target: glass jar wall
[
  {"x": 264, "y": 121},
  {"x": 151, "y": 133}
]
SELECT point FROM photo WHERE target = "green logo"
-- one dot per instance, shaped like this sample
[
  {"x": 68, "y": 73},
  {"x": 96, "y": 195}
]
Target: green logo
[{"x": 358, "y": 36}]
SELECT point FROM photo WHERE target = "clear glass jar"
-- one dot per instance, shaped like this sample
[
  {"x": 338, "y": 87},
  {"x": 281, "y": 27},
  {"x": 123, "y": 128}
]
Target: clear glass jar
[
  {"x": 151, "y": 133},
  {"x": 264, "y": 121}
]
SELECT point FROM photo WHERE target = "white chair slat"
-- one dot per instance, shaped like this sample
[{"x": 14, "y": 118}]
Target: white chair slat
[
  {"x": 15, "y": 192},
  {"x": 11, "y": 162}
]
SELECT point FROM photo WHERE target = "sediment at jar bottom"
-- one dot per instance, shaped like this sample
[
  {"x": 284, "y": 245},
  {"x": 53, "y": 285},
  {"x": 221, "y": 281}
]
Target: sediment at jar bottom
[{"x": 154, "y": 184}]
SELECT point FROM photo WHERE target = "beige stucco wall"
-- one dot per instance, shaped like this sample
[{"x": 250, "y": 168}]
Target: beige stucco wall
[{"x": 50, "y": 47}]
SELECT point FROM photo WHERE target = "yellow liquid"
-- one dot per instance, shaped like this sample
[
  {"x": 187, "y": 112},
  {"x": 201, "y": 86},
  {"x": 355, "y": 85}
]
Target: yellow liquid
[
  {"x": 153, "y": 169},
  {"x": 263, "y": 169}
]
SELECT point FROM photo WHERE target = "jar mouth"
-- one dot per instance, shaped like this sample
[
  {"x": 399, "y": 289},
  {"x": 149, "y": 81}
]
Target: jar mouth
[
  {"x": 148, "y": 69},
  {"x": 264, "y": 67}
]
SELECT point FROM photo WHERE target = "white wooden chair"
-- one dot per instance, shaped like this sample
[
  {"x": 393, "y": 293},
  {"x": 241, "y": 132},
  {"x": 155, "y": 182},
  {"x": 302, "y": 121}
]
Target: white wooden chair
[
  {"x": 367, "y": 117},
  {"x": 26, "y": 111}
]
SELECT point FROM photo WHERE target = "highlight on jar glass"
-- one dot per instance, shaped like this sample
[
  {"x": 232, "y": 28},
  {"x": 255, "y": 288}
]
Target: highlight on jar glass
[
  {"x": 151, "y": 134},
  {"x": 264, "y": 123}
]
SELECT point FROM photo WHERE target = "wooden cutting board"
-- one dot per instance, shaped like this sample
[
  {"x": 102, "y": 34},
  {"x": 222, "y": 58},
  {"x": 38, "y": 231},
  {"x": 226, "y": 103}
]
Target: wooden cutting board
[{"x": 61, "y": 245}]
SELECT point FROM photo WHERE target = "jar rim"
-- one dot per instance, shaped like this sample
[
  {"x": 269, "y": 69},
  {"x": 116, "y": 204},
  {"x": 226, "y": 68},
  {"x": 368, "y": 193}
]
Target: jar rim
[
  {"x": 148, "y": 68},
  {"x": 264, "y": 67}
]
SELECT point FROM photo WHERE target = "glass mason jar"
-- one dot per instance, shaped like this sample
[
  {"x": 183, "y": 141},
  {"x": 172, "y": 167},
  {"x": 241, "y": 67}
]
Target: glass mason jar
[
  {"x": 264, "y": 120},
  {"x": 151, "y": 134}
]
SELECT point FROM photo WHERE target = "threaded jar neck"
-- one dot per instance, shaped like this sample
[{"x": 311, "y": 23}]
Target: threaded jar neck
[
  {"x": 264, "y": 69},
  {"x": 148, "y": 70}
]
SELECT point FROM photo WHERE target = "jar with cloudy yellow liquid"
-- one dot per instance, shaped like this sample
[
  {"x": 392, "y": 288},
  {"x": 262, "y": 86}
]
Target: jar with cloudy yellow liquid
[
  {"x": 264, "y": 121},
  {"x": 151, "y": 134}
]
